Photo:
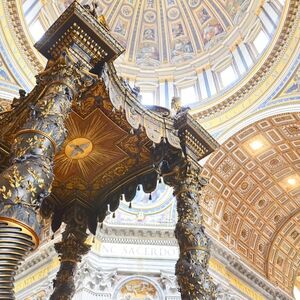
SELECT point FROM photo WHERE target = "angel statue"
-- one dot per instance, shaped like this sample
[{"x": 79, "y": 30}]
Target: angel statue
[{"x": 176, "y": 106}]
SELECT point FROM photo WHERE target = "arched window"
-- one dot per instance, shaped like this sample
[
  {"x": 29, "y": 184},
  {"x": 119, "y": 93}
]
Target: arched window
[
  {"x": 148, "y": 98},
  {"x": 228, "y": 76},
  {"x": 188, "y": 95},
  {"x": 261, "y": 41}
]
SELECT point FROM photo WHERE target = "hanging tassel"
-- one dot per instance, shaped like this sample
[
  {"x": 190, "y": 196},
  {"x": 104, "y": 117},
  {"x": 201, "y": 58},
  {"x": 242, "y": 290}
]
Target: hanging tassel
[
  {"x": 150, "y": 197},
  {"x": 130, "y": 205}
]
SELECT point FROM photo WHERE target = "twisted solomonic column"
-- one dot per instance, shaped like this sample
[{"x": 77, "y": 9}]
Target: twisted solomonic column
[
  {"x": 71, "y": 249},
  {"x": 192, "y": 266},
  {"x": 29, "y": 178}
]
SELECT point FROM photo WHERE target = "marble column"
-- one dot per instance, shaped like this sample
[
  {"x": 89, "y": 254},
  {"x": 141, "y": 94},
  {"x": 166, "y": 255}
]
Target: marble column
[{"x": 28, "y": 180}]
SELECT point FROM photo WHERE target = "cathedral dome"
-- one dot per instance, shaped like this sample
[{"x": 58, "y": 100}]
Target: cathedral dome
[{"x": 197, "y": 49}]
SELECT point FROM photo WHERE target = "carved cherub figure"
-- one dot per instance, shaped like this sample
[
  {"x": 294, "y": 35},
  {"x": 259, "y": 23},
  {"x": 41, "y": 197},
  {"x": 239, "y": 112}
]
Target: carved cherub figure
[
  {"x": 92, "y": 8},
  {"x": 17, "y": 101},
  {"x": 177, "y": 108},
  {"x": 176, "y": 104}
]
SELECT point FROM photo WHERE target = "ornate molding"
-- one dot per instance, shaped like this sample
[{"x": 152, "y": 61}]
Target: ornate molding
[
  {"x": 236, "y": 266},
  {"x": 140, "y": 235},
  {"x": 21, "y": 38}
]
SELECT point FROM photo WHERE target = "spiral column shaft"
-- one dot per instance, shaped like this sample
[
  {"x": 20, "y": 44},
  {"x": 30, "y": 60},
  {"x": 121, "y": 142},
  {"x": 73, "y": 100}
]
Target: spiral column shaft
[
  {"x": 28, "y": 180},
  {"x": 192, "y": 266},
  {"x": 70, "y": 250}
]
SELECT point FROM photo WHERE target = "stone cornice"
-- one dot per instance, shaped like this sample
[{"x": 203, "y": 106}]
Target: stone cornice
[
  {"x": 230, "y": 260},
  {"x": 236, "y": 266},
  {"x": 137, "y": 235}
]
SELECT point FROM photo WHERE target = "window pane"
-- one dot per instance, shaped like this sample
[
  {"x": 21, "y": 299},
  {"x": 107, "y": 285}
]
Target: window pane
[
  {"x": 36, "y": 30},
  {"x": 228, "y": 76},
  {"x": 261, "y": 42},
  {"x": 188, "y": 95},
  {"x": 296, "y": 293},
  {"x": 147, "y": 98}
]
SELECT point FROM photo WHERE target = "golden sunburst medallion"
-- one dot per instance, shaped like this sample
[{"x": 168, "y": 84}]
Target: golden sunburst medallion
[
  {"x": 79, "y": 148},
  {"x": 91, "y": 147}
]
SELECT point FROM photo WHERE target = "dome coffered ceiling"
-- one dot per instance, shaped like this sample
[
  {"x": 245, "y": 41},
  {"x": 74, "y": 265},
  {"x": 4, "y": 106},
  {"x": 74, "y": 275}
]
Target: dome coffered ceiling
[{"x": 252, "y": 202}]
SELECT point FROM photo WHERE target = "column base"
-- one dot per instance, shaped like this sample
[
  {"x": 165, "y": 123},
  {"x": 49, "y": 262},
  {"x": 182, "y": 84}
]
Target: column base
[{"x": 16, "y": 240}]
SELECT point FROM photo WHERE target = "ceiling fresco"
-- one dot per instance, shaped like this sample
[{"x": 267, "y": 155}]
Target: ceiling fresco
[
  {"x": 207, "y": 33},
  {"x": 192, "y": 27},
  {"x": 252, "y": 202}
]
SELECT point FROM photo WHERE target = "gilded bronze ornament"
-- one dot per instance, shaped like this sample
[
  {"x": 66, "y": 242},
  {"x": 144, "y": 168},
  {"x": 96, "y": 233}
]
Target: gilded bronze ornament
[
  {"x": 28, "y": 180},
  {"x": 192, "y": 266},
  {"x": 70, "y": 250},
  {"x": 105, "y": 144}
]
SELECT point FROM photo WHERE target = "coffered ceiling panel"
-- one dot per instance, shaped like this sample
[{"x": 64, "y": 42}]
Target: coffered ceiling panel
[{"x": 252, "y": 203}]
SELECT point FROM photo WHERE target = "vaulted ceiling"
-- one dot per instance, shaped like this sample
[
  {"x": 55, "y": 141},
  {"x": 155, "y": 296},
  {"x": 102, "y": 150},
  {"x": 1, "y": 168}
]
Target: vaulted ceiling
[{"x": 252, "y": 204}]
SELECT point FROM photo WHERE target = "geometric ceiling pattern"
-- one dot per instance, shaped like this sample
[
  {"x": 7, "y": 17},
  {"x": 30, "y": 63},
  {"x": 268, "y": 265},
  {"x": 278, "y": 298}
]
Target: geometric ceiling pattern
[
  {"x": 252, "y": 204},
  {"x": 171, "y": 31}
]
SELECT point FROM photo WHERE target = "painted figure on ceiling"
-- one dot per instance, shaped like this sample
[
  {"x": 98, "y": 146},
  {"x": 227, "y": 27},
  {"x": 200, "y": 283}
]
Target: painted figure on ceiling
[
  {"x": 182, "y": 46},
  {"x": 295, "y": 87},
  {"x": 234, "y": 7},
  {"x": 138, "y": 290},
  {"x": 210, "y": 31},
  {"x": 120, "y": 28},
  {"x": 177, "y": 30},
  {"x": 149, "y": 34},
  {"x": 203, "y": 15},
  {"x": 147, "y": 55}
]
